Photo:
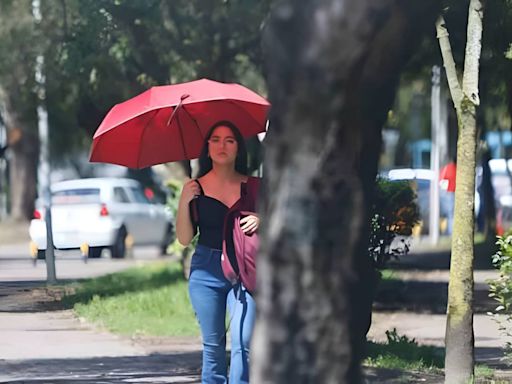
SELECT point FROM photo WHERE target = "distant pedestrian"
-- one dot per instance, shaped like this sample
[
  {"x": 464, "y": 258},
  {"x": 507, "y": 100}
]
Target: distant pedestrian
[
  {"x": 447, "y": 182},
  {"x": 223, "y": 168}
]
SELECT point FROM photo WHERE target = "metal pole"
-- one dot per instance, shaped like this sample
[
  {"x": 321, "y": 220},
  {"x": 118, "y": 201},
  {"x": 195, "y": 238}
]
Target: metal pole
[
  {"x": 435, "y": 154},
  {"x": 43, "y": 172},
  {"x": 3, "y": 172}
]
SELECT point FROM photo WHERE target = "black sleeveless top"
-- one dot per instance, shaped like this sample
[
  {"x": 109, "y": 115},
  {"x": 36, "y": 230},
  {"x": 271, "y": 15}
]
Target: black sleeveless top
[{"x": 210, "y": 219}]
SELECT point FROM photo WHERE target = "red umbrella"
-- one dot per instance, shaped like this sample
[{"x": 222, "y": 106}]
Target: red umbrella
[{"x": 168, "y": 123}]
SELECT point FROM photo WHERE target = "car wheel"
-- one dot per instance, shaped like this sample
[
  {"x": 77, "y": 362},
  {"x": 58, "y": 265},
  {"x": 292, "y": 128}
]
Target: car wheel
[
  {"x": 167, "y": 240},
  {"x": 119, "y": 247},
  {"x": 95, "y": 252},
  {"x": 41, "y": 254}
]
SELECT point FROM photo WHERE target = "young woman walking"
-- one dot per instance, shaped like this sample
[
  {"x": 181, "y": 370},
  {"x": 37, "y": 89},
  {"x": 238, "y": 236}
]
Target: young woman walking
[{"x": 222, "y": 170}]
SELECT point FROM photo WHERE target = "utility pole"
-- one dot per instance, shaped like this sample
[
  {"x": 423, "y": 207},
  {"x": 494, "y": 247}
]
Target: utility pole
[
  {"x": 3, "y": 170},
  {"x": 435, "y": 154},
  {"x": 43, "y": 172}
]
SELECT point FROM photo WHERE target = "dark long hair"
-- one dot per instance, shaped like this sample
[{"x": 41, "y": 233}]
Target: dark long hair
[{"x": 205, "y": 162}]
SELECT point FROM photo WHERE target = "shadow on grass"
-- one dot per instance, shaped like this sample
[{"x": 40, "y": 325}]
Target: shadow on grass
[{"x": 131, "y": 280}]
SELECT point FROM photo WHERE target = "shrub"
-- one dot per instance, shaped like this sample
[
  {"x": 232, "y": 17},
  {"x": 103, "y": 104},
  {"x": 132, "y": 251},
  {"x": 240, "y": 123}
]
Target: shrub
[
  {"x": 501, "y": 287},
  {"x": 395, "y": 213}
]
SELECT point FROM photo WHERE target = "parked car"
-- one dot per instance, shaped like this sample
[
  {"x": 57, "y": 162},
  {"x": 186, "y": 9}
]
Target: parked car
[{"x": 101, "y": 213}]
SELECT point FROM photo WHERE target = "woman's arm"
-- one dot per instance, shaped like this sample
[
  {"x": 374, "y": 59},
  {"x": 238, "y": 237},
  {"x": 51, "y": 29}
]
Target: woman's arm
[{"x": 184, "y": 227}]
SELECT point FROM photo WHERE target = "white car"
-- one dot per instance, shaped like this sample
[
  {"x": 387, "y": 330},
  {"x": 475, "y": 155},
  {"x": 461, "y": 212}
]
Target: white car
[{"x": 98, "y": 213}]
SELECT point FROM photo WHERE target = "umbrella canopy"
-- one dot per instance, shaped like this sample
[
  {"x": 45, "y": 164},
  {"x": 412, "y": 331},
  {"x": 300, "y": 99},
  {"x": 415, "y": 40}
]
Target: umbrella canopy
[{"x": 169, "y": 123}]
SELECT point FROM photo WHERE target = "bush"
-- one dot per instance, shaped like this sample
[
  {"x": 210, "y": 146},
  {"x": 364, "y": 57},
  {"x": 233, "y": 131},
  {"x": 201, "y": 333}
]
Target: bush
[
  {"x": 395, "y": 213},
  {"x": 501, "y": 288}
]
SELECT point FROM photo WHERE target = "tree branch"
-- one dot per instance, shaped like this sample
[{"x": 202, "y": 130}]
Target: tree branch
[
  {"x": 473, "y": 50},
  {"x": 449, "y": 63}
]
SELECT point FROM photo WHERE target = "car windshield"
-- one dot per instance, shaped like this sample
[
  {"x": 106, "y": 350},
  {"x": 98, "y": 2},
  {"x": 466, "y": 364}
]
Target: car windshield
[{"x": 76, "y": 196}]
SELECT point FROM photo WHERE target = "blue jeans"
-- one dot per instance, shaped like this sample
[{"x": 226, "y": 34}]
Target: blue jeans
[
  {"x": 448, "y": 206},
  {"x": 209, "y": 293}
]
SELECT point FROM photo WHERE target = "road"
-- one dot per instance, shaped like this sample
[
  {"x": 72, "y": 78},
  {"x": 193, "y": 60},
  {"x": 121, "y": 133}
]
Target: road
[{"x": 17, "y": 265}]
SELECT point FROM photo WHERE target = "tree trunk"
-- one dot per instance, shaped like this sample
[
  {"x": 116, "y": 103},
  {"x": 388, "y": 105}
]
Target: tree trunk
[
  {"x": 459, "y": 339},
  {"x": 459, "y": 361},
  {"x": 333, "y": 67},
  {"x": 23, "y": 176},
  {"x": 22, "y": 164}
]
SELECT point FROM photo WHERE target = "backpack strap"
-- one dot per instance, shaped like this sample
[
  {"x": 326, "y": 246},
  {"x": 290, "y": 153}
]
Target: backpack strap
[{"x": 249, "y": 193}]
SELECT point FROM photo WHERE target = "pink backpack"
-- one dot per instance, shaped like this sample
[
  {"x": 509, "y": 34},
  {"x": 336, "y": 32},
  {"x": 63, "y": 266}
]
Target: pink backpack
[{"x": 242, "y": 265}]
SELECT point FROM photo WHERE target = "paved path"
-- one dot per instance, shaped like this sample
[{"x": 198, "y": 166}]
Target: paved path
[{"x": 56, "y": 347}]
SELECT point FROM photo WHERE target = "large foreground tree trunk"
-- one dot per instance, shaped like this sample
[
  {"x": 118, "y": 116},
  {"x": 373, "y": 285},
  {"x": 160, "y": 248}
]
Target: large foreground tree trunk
[
  {"x": 459, "y": 339},
  {"x": 333, "y": 67}
]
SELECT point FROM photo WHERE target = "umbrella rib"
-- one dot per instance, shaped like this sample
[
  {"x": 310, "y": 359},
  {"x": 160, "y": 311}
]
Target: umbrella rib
[
  {"x": 181, "y": 134},
  {"x": 194, "y": 120},
  {"x": 142, "y": 136}
]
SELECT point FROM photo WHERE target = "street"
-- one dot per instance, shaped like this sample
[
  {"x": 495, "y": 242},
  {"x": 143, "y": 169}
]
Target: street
[{"x": 16, "y": 264}]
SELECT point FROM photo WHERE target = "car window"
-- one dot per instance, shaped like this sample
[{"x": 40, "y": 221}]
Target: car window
[
  {"x": 120, "y": 195},
  {"x": 76, "y": 196},
  {"x": 139, "y": 195}
]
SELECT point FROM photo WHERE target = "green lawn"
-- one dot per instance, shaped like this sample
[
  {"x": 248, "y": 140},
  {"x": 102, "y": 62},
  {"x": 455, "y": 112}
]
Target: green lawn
[
  {"x": 400, "y": 352},
  {"x": 150, "y": 300}
]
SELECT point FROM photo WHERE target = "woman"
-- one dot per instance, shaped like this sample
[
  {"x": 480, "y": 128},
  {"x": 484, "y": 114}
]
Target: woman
[{"x": 223, "y": 167}]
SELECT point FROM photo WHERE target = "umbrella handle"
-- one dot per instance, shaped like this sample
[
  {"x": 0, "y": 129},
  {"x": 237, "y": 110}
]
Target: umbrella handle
[{"x": 183, "y": 97}]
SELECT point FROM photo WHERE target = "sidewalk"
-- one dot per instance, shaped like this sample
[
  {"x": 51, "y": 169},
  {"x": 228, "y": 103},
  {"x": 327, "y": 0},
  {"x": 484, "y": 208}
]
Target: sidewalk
[{"x": 56, "y": 347}]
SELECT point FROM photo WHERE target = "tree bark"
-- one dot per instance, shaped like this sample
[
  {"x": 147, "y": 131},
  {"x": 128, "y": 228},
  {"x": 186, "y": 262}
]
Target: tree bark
[
  {"x": 459, "y": 338},
  {"x": 333, "y": 67},
  {"x": 22, "y": 164},
  {"x": 23, "y": 176}
]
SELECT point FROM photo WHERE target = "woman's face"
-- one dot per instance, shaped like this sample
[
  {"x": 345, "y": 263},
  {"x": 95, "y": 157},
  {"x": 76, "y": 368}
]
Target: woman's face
[{"x": 222, "y": 146}]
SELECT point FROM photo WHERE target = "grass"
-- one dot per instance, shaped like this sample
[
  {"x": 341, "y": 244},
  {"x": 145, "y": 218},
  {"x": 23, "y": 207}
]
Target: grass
[
  {"x": 400, "y": 352},
  {"x": 150, "y": 300},
  {"x": 404, "y": 354}
]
